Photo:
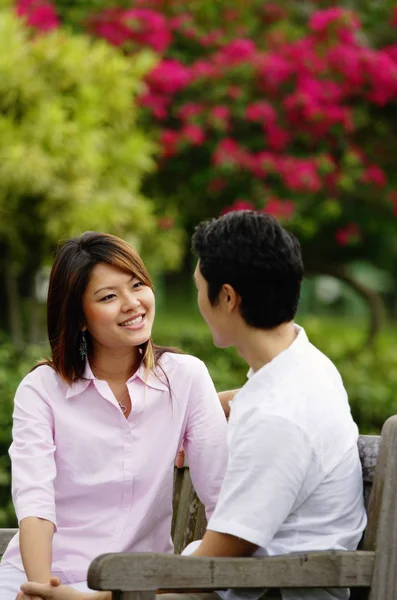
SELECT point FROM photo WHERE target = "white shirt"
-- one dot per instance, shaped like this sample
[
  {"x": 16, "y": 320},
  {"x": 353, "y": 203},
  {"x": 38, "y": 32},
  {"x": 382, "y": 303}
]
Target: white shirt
[
  {"x": 293, "y": 481},
  {"x": 105, "y": 481}
]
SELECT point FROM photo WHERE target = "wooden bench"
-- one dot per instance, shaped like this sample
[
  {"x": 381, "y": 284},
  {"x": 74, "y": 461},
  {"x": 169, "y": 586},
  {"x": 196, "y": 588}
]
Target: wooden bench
[{"x": 370, "y": 571}]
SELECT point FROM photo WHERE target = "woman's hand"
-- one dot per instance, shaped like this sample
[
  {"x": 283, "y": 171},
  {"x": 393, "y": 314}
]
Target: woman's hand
[{"x": 48, "y": 591}]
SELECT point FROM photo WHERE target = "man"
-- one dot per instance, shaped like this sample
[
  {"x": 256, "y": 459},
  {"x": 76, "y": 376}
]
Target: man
[{"x": 293, "y": 481}]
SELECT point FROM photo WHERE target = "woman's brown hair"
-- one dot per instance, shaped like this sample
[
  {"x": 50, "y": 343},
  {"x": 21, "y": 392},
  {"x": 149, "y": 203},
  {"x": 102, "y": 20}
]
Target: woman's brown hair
[{"x": 70, "y": 273}]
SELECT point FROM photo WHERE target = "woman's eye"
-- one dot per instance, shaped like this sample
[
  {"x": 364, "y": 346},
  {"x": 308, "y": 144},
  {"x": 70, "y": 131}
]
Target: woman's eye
[
  {"x": 108, "y": 297},
  {"x": 137, "y": 284}
]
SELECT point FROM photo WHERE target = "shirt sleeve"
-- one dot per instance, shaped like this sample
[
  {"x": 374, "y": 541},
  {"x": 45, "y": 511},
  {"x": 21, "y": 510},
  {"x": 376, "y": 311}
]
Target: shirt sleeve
[
  {"x": 269, "y": 458},
  {"x": 32, "y": 453},
  {"x": 205, "y": 438}
]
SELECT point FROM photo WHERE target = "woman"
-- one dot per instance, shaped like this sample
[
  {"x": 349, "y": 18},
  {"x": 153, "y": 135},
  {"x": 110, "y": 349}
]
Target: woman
[{"x": 98, "y": 426}]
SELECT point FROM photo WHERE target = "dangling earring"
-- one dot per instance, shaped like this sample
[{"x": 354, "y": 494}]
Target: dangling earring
[{"x": 83, "y": 346}]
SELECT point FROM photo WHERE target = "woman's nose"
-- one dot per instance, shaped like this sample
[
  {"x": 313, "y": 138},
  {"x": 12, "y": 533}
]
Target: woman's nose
[{"x": 130, "y": 301}]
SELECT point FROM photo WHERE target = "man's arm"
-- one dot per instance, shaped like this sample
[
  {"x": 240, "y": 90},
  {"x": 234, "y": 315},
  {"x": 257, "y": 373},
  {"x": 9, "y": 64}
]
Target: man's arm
[{"x": 224, "y": 544}]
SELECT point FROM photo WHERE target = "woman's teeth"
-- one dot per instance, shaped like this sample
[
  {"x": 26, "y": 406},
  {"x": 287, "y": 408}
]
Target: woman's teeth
[{"x": 132, "y": 322}]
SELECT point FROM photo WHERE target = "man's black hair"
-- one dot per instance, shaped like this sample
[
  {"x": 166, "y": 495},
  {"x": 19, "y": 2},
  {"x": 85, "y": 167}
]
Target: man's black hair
[{"x": 260, "y": 259}]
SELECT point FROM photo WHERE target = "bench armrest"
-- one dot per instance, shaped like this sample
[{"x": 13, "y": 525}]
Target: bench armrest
[{"x": 150, "y": 571}]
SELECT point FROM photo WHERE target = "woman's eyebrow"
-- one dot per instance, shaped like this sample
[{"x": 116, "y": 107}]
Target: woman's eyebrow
[{"x": 111, "y": 287}]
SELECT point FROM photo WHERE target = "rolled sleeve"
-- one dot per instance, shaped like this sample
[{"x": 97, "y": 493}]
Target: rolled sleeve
[
  {"x": 32, "y": 454},
  {"x": 268, "y": 461},
  {"x": 205, "y": 440}
]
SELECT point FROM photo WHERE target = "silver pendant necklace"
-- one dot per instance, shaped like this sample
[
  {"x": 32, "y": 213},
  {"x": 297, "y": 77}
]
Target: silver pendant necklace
[{"x": 123, "y": 407}]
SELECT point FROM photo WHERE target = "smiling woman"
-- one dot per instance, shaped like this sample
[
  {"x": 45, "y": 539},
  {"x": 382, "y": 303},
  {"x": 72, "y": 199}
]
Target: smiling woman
[{"x": 98, "y": 425}]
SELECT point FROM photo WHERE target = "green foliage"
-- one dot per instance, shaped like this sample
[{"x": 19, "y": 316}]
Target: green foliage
[{"x": 72, "y": 156}]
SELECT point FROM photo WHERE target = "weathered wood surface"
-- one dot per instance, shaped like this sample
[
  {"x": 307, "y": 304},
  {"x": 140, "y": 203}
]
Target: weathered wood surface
[
  {"x": 381, "y": 534},
  {"x": 133, "y": 596},
  {"x": 188, "y": 521},
  {"x": 5, "y": 536},
  {"x": 368, "y": 447},
  {"x": 161, "y": 571}
]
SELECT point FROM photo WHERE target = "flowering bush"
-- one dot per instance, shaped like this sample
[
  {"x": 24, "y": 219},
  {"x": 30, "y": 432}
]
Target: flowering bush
[{"x": 290, "y": 111}]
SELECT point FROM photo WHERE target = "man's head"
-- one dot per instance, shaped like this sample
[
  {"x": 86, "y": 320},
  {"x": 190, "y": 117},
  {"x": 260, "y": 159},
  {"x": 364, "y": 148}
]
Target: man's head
[{"x": 247, "y": 263}]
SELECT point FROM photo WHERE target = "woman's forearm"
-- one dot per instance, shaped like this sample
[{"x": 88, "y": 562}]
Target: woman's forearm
[
  {"x": 225, "y": 398},
  {"x": 35, "y": 542}
]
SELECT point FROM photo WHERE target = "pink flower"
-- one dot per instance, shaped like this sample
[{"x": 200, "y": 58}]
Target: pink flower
[
  {"x": 169, "y": 140},
  {"x": 169, "y": 77},
  {"x": 348, "y": 235},
  {"x": 277, "y": 138},
  {"x": 194, "y": 134},
  {"x": 346, "y": 60},
  {"x": 181, "y": 21},
  {"x": 202, "y": 69},
  {"x": 260, "y": 112},
  {"x": 189, "y": 110},
  {"x": 229, "y": 153},
  {"x": 343, "y": 22},
  {"x": 139, "y": 25},
  {"x": 281, "y": 209},
  {"x": 275, "y": 70},
  {"x": 220, "y": 113},
  {"x": 158, "y": 104},
  {"x": 391, "y": 50},
  {"x": 262, "y": 164},
  {"x": 299, "y": 174},
  {"x": 212, "y": 38},
  {"x": 236, "y": 52},
  {"x": 39, "y": 14},
  {"x": 108, "y": 24},
  {"x": 148, "y": 27},
  {"x": 238, "y": 205},
  {"x": 381, "y": 73},
  {"x": 374, "y": 174}
]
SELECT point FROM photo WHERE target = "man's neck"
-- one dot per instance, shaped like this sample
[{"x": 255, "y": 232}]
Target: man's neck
[{"x": 258, "y": 347}]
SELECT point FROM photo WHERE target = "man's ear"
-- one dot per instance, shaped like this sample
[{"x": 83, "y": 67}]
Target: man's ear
[{"x": 229, "y": 297}]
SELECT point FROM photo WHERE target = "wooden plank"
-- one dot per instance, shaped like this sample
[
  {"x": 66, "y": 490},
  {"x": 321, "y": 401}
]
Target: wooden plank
[
  {"x": 381, "y": 533},
  {"x": 5, "y": 536},
  {"x": 138, "y": 595},
  {"x": 182, "y": 508},
  {"x": 146, "y": 571},
  {"x": 178, "y": 480}
]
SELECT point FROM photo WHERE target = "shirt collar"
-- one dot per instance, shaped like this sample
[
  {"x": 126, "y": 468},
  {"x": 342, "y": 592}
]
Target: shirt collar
[
  {"x": 155, "y": 379},
  {"x": 286, "y": 358}
]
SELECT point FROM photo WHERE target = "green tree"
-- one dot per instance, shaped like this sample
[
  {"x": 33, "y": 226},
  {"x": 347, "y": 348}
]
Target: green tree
[{"x": 72, "y": 156}]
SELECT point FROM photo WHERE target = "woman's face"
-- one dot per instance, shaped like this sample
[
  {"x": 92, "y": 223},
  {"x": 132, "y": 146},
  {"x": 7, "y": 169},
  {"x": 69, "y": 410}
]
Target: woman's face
[{"x": 118, "y": 308}]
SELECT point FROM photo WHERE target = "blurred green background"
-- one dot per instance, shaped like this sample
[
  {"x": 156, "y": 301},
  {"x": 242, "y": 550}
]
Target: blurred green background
[{"x": 142, "y": 117}]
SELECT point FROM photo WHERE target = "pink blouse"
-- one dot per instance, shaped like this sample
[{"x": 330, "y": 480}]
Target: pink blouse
[{"x": 106, "y": 481}]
